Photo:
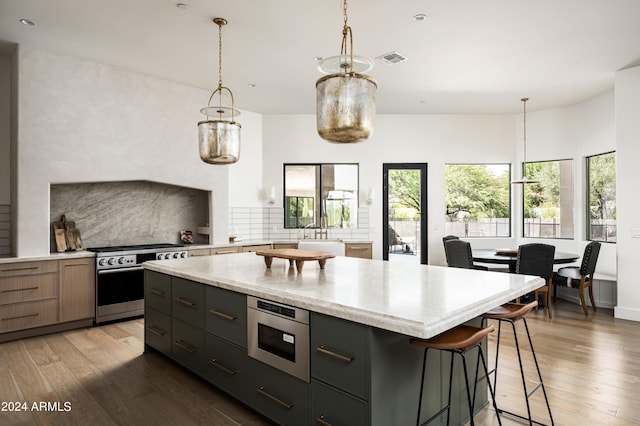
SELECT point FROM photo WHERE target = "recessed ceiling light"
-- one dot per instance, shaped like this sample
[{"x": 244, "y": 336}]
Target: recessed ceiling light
[
  {"x": 317, "y": 58},
  {"x": 251, "y": 85},
  {"x": 28, "y": 22},
  {"x": 419, "y": 17},
  {"x": 422, "y": 102},
  {"x": 182, "y": 6}
]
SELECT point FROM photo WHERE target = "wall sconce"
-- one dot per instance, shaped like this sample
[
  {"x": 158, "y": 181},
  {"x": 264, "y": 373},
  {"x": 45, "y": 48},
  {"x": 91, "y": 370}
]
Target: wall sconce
[
  {"x": 271, "y": 198},
  {"x": 371, "y": 195}
]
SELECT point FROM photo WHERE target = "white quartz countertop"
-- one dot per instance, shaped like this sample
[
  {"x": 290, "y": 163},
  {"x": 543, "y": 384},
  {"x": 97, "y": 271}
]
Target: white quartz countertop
[{"x": 415, "y": 300}]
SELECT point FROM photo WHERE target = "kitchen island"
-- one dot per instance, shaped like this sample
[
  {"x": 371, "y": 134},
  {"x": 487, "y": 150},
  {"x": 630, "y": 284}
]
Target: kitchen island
[{"x": 361, "y": 312}]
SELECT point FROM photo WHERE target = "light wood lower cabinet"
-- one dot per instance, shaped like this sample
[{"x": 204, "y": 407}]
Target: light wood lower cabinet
[
  {"x": 77, "y": 289},
  {"x": 28, "y": 295},
  {"x": 361, "y": 250},
  {"x": 256, "y": 248}
]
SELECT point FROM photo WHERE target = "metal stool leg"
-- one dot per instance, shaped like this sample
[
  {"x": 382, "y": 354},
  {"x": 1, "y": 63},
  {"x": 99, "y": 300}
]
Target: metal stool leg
[{"x": 535, "y": 360}]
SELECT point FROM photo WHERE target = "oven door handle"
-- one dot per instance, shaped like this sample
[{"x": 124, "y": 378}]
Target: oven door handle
[{"x": 114, "y": 271}]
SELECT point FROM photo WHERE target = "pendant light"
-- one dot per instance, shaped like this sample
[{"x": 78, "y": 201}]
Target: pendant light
[
  {"x": 524, "y": 180},
  {"x": 345, "y": 98},
  {"x": 219, "y": 137}
]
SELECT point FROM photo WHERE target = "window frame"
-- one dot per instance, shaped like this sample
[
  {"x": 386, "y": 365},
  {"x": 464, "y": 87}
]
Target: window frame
[
  {"x": 588, "y": 196},
  {"x": 319, "y": 207},
  {"x": 524, "y": 174}
]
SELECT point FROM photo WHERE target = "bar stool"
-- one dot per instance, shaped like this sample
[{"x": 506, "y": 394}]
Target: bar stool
[
  {"x": 457, "y": 340},
  {"x": 512, "y": 313}
]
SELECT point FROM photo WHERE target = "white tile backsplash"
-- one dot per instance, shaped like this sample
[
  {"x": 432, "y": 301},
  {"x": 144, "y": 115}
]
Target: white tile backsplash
[{"x": 256, "y": 223}]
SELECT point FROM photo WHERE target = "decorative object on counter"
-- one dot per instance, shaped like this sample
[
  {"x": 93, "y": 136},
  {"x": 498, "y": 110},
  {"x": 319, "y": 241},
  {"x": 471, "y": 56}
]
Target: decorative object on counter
[
  {"x": 232, "y": 239},
  {"x": 219, "y": 139},
  {"x": 371, "y": 195},
  {"x": 186, "y": 237},
  {"x": 67, "y": 236},
  {"x": 524, "y": 179},
  {"x": 345, "y": 98},
  {"x": 295, "y": 255}
]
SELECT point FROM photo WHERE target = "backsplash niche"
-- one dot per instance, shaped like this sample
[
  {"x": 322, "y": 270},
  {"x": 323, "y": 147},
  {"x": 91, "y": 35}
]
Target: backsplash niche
[{"x": 130, "y": 212}]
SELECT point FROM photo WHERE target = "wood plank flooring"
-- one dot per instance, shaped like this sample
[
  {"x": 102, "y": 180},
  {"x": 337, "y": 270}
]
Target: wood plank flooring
[{"x": 100, "y": 376}]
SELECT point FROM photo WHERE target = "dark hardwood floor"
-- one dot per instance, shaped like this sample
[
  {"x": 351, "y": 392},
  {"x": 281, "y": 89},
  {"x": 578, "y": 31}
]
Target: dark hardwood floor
[{"x": 100, "y": 376}]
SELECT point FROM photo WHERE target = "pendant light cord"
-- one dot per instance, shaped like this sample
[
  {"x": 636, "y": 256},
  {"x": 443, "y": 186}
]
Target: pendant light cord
[
  {"x": 346, "y": 32},
  {"x": 524, "y": 154}
]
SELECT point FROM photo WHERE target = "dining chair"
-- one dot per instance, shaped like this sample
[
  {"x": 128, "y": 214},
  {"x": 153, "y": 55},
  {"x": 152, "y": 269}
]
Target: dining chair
[
  {"x": 458, "y": 254},
  {"x": 537, "y": 259},
  {"x": 580, "y": 277}
]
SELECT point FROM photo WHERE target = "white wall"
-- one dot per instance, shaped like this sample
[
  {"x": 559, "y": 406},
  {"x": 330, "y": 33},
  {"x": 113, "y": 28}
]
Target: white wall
[
  {"x": 627, "y": 94},
  {"x": 432, "y": 139},
  {"x": 245, "y": 176},
  {"x": 81, "y": 121}
]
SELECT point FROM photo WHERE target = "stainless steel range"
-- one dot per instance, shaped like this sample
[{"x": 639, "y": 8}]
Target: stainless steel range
[{"x": 120, "y": 277}]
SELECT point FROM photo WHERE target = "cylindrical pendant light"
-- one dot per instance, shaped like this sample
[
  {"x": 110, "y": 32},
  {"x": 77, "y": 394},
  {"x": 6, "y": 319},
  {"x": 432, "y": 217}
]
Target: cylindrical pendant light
[
  {"x": 346, "y": 98},
  {"x": 219, "y": 139}
]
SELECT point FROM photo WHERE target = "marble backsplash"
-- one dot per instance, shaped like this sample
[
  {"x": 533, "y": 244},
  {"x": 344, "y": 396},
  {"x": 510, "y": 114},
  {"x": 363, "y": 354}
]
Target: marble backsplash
[{"x": 131, "y": 212}]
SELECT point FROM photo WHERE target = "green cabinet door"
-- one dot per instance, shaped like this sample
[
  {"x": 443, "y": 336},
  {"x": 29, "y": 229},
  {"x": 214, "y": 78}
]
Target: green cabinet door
[
  {"x": 157, "y": 330},
  {"x": 330, "y": 406},
  {"x": 157, "y": 291}
]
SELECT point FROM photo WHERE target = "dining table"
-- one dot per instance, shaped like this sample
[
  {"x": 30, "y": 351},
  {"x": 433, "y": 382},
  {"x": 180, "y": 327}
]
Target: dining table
[{"x": 510, "y": 257}]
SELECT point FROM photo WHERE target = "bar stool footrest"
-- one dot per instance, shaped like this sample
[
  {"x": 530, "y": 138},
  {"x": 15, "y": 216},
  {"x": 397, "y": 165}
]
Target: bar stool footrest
[{"x": 501, "y": 411}]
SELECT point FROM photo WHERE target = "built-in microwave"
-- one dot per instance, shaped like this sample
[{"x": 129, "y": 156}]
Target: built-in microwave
[{"x": 278, "y": 335}]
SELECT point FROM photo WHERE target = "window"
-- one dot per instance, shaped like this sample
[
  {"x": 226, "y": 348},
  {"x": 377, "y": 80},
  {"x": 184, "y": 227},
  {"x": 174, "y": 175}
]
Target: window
[
  {"x": 601, "y": 197},
  {"x": 548, "y": 204},
  {"x": 477, "y": 198},
  {"x": 321, "y": 195}
]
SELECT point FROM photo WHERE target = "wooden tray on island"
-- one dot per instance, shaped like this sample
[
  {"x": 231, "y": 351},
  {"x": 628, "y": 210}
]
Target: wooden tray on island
[
  {"x": 297, "y": 255},
  {"x": 507, "y": 252}
]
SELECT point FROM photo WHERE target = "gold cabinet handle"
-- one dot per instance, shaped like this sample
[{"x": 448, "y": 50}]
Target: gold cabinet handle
[
  {"x": 215, "y": 363},
  {"x": 334, "y": 354},
  {"x": 185, "y": 346},
  {"x": 358, "y": 248},
  {"x": 322, "y": 421},
  {"x": 185, "y": 302},
  {"x": 26, "y": 268},
  {"x": 222, "y": 315},
  {"x": 20, "y": 289},
  {"x": 20, "y": 317},
  {"x": 225, "y": 252},
  {"x": 156, "y": 292},
  {"x": 263, "y": 392},
  {"x": 156, "y": 330}
]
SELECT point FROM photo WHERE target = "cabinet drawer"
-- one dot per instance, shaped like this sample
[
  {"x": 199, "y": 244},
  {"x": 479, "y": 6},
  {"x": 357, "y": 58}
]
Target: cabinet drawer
[
  {"x": 361, "y": 250},
  {"x": 279, "y": 396},
  {"x": 339, "y": 354},
  {"x": 256, "y": 248},
  {"x": 157, "y": 291},
  {"x": 285, "y": 246},
  {"x": 335, "y": 407},
  {"x": 28, "y": 268},
  {"x": 187, "y": 346},
  {"x": 227, "y": 367},
  {"x": 199, "y": 252},
  {"x": 227, "y": 315},
  {"x": 27, "y": 288},
  {"x": 157, "y": 330},
  {"x": 225, "y": 250},
  {"x": 20, "y": 316},
  {"x": 187, "y": 301}
]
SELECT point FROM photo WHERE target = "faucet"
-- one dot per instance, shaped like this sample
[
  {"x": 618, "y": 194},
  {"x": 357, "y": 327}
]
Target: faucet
[
  {"x": 323, "y": 230},
  {"x": 311, "y": 225}
]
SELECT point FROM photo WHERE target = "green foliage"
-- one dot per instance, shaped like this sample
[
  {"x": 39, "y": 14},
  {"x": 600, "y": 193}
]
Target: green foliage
[
  {"x": 404, "y": 188},
  {"x": 602, "y": 186},
  {"x": 473, "y": 188}
]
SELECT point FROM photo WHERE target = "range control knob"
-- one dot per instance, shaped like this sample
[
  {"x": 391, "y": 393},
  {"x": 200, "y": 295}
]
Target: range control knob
[
  {"x": 122, "y": 260},
  {"x": 102, "y": 262},
  {"x": 112, "y": 260},
  {"x": 167, "y": 256},
  {"x": 176, "y": 255},
  {"x": 183, "y": 254}
]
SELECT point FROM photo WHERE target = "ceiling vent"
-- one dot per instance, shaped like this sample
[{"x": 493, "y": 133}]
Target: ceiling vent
[{"x": 392, "y": 58}]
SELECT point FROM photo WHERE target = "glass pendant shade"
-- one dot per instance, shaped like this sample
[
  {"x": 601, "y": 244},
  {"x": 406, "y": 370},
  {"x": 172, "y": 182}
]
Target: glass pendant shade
[
  {"x": 219, "y": 141},
  {"x": 345, "y": 98},
  {"x": 345, "y": 107}
]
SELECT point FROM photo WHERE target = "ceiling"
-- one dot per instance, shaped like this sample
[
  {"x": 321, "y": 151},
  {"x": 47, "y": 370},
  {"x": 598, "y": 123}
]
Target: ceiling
[{"x": 466, "y": 57}]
